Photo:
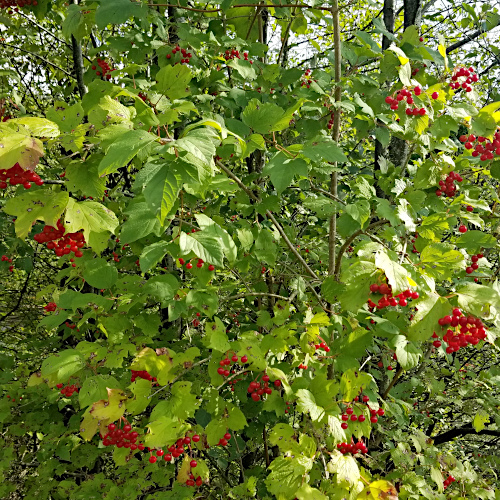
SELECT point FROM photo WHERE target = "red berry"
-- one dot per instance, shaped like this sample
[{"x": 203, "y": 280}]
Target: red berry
[
  {"x": 152, "y": 459},
  {"x": 193, "y": 463},
  {"x": 189, "y": 265},
  {"x": 211, "y": 267},
  {"x": 227, "y": 436},
  {"x": 462, "y": 229},
  {"x": 344, "y": 425},
  {"x": 196, "y": 438},
  {"x": 434, "y": 95},
  {"x": 244, "y": 359}
]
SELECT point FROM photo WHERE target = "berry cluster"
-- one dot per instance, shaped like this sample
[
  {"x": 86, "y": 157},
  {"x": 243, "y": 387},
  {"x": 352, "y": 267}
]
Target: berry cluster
[
  {"x": 484, "y": 148},
  {"x": 387, "y": 299},
  {"x": 467, "y": 330},
  {"x": 192, "y": 481},
  {"x": 199, "y": 264},
  {"x": 105, "y": 69},
  {"x": 306, "y": 79},
  {"x": 257, "y": 390},
  {"x": 406, "y": 95},
  {"x": 68, "y": 390},
  {"x": 352, "y": 447},
  {"x": 322, "y": 346},
  {"x": 186, "y": 56},
  {"x": 288, "y": 406},
  {"x": 474, "y": 266},
  {"x": 5, "y": 4},
  {"x": 6, "y": 259},
  {"x": 302, "y": 366},
  {"x": 413, "y": 240},
  {"x": 234, "y": 54},
  {"x": 122, "y": 437},
  {"x": 61, "y": 242},
  {"x": 463, "y": 77},
  {"x": 141, "y": 374},
  {"x": 448, "y": 187},
  {"x": 50, "y": 307},
  {"x": 17, "y": 175},
  {"x": 227, "y": 362},
  {"x": 349, "y": 415},
  {"x": 448, "y": 481}
]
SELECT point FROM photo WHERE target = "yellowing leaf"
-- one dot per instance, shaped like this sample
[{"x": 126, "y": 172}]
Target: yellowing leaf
[
  {"x": 105, "y": 412},
  {"x": 379, "y": 490}
]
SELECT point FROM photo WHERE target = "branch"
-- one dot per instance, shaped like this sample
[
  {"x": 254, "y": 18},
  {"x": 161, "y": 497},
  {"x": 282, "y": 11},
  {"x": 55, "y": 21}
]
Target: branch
[
  {"x": 468, "y": 38},
  {"x": 270, "y": 216},
  {"x": 256, "y": 294},
  {"x": 21, "y": 294},
  {"x": 351, "y": 239},
  {"x": 463, "y": 431},
  {"x": 46, "y": 61}
]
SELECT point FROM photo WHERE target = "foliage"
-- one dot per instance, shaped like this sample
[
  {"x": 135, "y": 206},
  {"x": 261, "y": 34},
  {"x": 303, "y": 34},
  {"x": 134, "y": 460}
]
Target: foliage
[{"x": 218, "y": 287}]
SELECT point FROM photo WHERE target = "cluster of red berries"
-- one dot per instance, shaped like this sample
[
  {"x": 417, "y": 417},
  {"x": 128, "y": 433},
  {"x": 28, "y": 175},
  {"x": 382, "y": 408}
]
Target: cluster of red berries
[
  {"x": 235, "y": 54},
  {"x": 406, "y": 95},
  {"x": 17, "y": 175},
  {"x": 227, "y": 362},
  {"x": 474, "y": 266},
  {"x": 448, "y": 187},
  {"x": 482, "y": 146},
  {"x": 116, "y": 258},
  {"x": 413, "y": 240},
  {"x": 224, "y": 441},
  {"x": 6, "y": 259},
  {"x": 468, "y": 330},
  {"x": 302, "y": 366},
  {"x": 352, "y": 447},
  {"x": 122, "y": 437},
  {"x": 463, "y": 77},
  {"x": 380, "y": 364},
  {"x": 199, "y": 264},
  {"x": 141, "y": 374},
  {"x": 5, "y": 4},
  {"x": 192, "y": 481},
  {"x": 387, "y": 299},
  {"x": 448, "y": 481},
  {"x": 105, "y": 69},
  {"x": 50, "y": 307},
  {"x": 349, "y": 415},
  {"x": 186, "y": 56},
  {"x": 61, "y": 242},
  {"x": 306, "y": 79},
  {"x": 288, "y": 406},
  {"x": 175, "y": 450},
  {"x": 68, "y": 390},
  {"x": 13, "y": 400},
  {"x": 72, "y": 326},
  {"x": 322, "y": 346},
  {"x": 257, "y": 390}
]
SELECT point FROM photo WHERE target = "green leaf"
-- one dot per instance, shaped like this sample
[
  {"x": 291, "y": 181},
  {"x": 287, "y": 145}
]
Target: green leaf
[
  {"x": 397, "y": 275},
  {"x": 204, "y": 245},
  {"x": 42, "y": 204},
  {"x": 439, "y": 260},
  {"x": 63, "y": 365},
  {"x": 482, "y": 417},
  {"x": 322, "y": 148},
  {"x": 267, "y": 117},
  {"x": 100, "y": 274},
  {"x": 140, "y": 223},
  {"x": 17, "y": 146},
  {"x": 95, "y": 388},
  {"x": 425, "y": 321},
  {"x": 90, "y": 216},
  {"x": 181, "y": 404},
  {"x": 357, "y": 278},
  {"x": 244, "y": 68},
  {"x": 163, "y": 287},
  {"x": 152, "y": 254},
  {"x": 305, "y": 492},
  {"x": 265, "y": 248},
  {"x": 123, "y": 150},
  {"x": 282, "y": 170},
  {"x": 216, "y": 337},
  {"x": 286, "y": 476},
  {"x": 345, "y": 467},
  {"x": 408, "y": 355},
  {"x": 162, "y": 191},
  {"x": 173, "y": 81},
  {"x": 117, "y": 12},
  {"x": 84, "y": 177},
  {"x": 164, "y": 431},
  {"x": 39, "y": 127},
  {"x": 352, "y": 382},
  {"x": 475, "y": 240},
  {"x": 477, "y": 299},
  {"x": 307, "y": 404},
  {"x": 210, "y": 227}
]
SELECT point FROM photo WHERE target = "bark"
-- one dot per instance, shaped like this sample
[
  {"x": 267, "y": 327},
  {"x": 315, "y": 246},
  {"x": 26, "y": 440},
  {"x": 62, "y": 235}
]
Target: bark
[{"x": 412, "y": 13}]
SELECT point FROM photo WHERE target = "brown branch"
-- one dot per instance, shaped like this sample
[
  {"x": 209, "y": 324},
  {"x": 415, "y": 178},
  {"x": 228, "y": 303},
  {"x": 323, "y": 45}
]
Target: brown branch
[
  {"x": 463, "y": 431},
  {"x": 393, "y": 381},
  {"x": 270, "y": 216},
  {"x": 467, "y": 39},
  {"x": 264, "y": 6}
]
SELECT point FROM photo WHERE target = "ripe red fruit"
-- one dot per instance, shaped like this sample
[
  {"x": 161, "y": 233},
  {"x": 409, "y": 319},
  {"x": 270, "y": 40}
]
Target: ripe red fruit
[
  {"x": 244, "y": 359},
  {"x": 374, "y": 288},
  {"x": 354, "y": 418},
  {"x": 255, "y": 397},
  {"x": 227, "y": 436},
  {"x": 462, "y": 229},
  {"x": 345, "y": 417},
  {"x": 434, "y": 95},
  {"x": 189, "y": 265},
  {"x": 361, "y": 418},
  {"x": 193, "y": 463},
  {"x": 380, "y": 412},
  {"x": 389, "y": 368},
  {"x": 181, "y": 261},
  {"x": 349, "y": 411},
  {"x": 421, "y": 38},
  {"x": 374, "y": 419},
  {"x": 196, "y": 438},
  {"x": 152, "y": 459},
  {"x": 211, "y": 267},
  {"x": 277, "y": 383},
  {"x": 344, "y": 425}
]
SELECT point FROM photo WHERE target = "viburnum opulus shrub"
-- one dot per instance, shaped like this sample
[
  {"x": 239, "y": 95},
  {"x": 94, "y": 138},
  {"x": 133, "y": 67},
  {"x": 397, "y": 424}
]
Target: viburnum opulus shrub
[{"x": 240, "y": 298}]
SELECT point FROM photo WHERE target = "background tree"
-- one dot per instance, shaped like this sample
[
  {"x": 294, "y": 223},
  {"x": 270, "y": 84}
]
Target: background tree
[{"x": 216, "y": 281}]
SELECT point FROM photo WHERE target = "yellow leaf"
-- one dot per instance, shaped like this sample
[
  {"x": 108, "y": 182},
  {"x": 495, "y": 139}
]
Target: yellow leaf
[{"x": 380, "y": 489}]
